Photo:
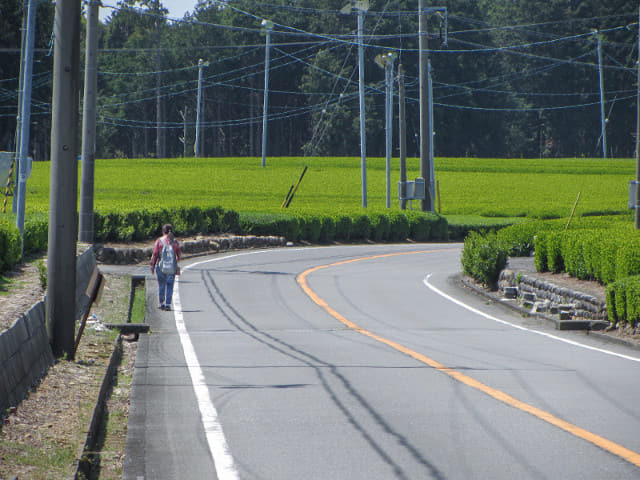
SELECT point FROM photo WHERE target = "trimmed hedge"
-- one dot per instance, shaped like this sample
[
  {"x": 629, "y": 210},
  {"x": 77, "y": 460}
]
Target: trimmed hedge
[
  {"x": 10, "y": 243},
  {"x": 623, "y": 301},
  {"x": 139, "y": 225},
  {"x": 604, "y": 255},
  {"x": 484, "y": 256}
]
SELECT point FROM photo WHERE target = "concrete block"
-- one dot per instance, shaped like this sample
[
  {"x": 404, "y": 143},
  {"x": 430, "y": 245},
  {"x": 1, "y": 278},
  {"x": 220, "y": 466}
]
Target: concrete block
[
  {"x": 511, "y": 292},
  {"x": 528, "y": 297},
  {"x": 564, "y": 315},
  {"x": 566, "y": 307}
]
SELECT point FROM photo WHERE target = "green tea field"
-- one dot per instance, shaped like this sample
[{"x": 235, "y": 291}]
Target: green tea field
[{"x": 477, "y": 187}]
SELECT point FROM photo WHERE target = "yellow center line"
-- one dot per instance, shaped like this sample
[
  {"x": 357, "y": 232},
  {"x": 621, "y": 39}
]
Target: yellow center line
[{"x": 611, "y": 447}]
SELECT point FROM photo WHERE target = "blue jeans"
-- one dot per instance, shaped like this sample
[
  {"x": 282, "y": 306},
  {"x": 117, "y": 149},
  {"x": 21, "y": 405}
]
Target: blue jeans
[{"x": 165, "y": 287}]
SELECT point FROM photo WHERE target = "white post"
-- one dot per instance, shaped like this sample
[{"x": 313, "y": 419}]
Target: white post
[
  {"x": 268, "y": 25},
  {"x": 198, "y": 107},
  {"x": 25, "y": 116},
  {"x": 603, "y": 120},
  {"x": 363, "y": 134}
]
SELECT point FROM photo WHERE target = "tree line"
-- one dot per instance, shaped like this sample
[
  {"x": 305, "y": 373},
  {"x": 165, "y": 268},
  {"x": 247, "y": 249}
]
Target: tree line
[{"x": 520, "y": 78}]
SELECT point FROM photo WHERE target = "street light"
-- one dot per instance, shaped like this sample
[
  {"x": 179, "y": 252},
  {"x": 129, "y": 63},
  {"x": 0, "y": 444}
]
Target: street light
[
  {"x": 361, "y": 6},
  {"x": 386, "y": 61},
  {"x": 267, "y": 25}
]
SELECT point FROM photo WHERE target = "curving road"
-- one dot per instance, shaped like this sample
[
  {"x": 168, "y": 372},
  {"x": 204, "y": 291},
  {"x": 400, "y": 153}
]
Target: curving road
[{"x": 370, "y": 362}]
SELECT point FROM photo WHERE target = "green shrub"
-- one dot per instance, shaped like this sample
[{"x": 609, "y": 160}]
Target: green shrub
[
  {"x": 484, "y": 257},
  {"x": 419, "y": 227},
  {"x": 555, "y": 262},
  {"x": 213, "y": 215},
  {"x": 42, "y": 273},
  {"x": 328, "y": 229},
  {"x": 361, "y": 227},
  {"x": 230, "y": 222},
  {"x": 10, "y": 243},
  {"x": 398, "y": 227},
  {"x": 380, "y": 227},
  {"x": 571, "y": 249},
  {"x": 540, "y": 251},
  {"x": 36, "y": 234},
  {"x": 623, "y": 301},
  {"x": 633, "y": 300},
  {"x": 344, "y": 227},
  {"x": 270, "y": 224},
  {"x": 439, "y": 227},
  {"x": 310, "y": 228},
  {"x": 628, "y": 257},
  {"x": 608, "y": 254},
  {"x": 520, "y": 237}
]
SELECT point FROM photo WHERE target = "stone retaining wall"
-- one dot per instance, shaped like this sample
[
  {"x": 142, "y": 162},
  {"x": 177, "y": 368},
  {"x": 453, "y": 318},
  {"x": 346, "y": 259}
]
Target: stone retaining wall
[
  {"x": 583, "y": 306},
  {"x": 126, "y": 255},
  {"x": 25, "y": 356}
]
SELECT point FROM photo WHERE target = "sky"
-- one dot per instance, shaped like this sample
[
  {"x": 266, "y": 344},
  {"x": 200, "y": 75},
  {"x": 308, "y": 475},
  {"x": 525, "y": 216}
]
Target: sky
[{"x": 177, "y": 8}]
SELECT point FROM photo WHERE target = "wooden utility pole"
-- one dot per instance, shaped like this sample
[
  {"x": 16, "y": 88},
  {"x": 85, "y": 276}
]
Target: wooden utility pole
[{"x": 63, "y": 226}]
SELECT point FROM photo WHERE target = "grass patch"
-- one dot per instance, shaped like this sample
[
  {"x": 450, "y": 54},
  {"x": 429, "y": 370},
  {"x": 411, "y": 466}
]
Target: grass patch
[{"x": 138, "y": 304}]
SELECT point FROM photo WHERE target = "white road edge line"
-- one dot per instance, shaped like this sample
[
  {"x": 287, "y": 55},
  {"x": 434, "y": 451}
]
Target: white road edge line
[
  {"x": 218, "y": 447},
  {"x": 520, "y": 327}
]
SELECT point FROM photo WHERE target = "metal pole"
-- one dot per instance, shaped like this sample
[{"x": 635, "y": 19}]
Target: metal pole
[
  {"x": 402, "y": 139},
  {"x": 387, "y": 130},
  {"x": 363, "y": 134},
  {"x": 23, "y": 51},
  {"x": 389, "y": 124},
  {"x": 160, "y": 151},
  {"x": 63, "y": 226},
  {"x": 89, "y": 124},
  {"x": 432, "y": 182},
  {"x": 637, "y": 211},
  {"x": 197, "y": 145},
  {"x": 25, "y": 117},
  {"x": 268, "y": 26},
  {"x": 425, "y": 130},
  {"x": 603, "y": 120}
]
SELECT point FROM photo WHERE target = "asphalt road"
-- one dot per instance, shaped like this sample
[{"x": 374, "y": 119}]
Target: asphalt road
[{"x": 370, "y": 362}]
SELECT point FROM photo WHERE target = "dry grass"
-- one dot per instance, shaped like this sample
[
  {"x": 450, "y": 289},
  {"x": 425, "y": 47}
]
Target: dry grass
[{"x": 43, "y": 437}]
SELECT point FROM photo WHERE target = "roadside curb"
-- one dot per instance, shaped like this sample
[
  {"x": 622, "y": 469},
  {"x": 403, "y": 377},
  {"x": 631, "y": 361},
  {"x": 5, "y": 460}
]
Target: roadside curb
[
  {"x": 512, "y": 305},
  {"x": 89, "y": 453}
]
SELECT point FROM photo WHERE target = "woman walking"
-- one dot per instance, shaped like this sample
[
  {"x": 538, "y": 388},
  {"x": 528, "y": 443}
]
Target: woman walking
[{"x": 164, "y": 263}]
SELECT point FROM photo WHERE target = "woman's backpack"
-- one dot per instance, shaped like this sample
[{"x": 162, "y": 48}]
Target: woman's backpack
[{"x": 168, "y": 264}]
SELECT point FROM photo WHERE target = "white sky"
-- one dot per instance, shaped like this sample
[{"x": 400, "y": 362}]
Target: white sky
[{"x": 177, "y": 8}]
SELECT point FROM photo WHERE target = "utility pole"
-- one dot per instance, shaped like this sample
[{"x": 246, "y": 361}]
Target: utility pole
[
  {"x": 23, "y": 52},
  {"x": 431, "y": 189},
  {"x": 426, "y": 104},
  {"x": 63, "y": 228},
  {"x": 603, "y": 120},
  {"x": 386, "y": 61},
  {"x": 363, "y": 133},
  {"x": 361, "y": 6},
  {"x": 425, "y": 125},
  {"x": 160, "y": 151},
  {"x": 268, "y": 27},
  {"x": 402, "y": 139},
  {"x": 89, "y": 124},
  {"x": 198, "y": 107},
  {"x": 25, "y": 117}
]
